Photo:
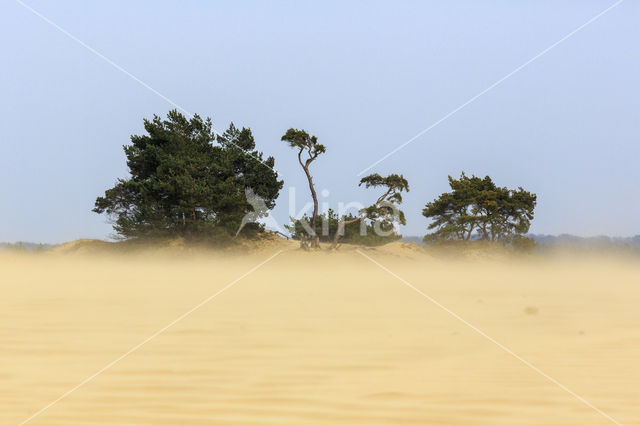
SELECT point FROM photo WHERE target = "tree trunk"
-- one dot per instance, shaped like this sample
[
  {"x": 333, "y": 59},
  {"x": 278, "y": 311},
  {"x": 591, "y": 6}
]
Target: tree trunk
[
  {"x": 315, "y": 240},
  {"x": 485, "y": 235}
]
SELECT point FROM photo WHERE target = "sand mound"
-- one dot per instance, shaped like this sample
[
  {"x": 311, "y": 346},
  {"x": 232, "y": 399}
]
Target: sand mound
[
  {"x": 271, "y": 242},
  {"x": 82, "y": 246},
  {"x": 403, "y": 250},
  {"x": 267, "y": 241}
]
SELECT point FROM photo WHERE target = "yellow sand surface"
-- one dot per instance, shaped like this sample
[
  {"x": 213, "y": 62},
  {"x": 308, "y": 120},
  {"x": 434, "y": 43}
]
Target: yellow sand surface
[{"x": 318, "y": 338}]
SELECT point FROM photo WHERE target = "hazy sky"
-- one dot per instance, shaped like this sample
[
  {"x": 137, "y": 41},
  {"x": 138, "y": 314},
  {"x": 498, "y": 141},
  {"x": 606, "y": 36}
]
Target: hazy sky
[{"x": 363, "y": 76}]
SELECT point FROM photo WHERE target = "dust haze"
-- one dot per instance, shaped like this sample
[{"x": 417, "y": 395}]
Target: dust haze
[{"x": 317, "y": 338}]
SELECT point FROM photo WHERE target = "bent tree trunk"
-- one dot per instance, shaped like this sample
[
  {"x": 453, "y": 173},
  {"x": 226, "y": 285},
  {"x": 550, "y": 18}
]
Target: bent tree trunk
[{"x": 315, "y": 240}]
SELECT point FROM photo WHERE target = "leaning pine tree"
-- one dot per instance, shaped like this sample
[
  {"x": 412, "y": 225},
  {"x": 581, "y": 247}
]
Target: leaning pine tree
[
  {"x": 384, "y": 213},
  {"x": 184, "y": 184}
]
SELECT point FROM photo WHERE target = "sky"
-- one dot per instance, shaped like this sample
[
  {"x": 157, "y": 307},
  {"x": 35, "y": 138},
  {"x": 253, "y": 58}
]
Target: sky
[{"x": 364, "y": 76}]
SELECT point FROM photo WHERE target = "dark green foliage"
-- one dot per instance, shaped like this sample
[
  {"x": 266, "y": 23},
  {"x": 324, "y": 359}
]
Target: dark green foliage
[
  {"x": 381, "y": 215},
  {"x": 478, "y": 209},
  {"x": 385, "y": 209},
  {"x": 182, "y": 184},
  {"x": 327, "y": 227},
  {"x": 304, "y": 142}
]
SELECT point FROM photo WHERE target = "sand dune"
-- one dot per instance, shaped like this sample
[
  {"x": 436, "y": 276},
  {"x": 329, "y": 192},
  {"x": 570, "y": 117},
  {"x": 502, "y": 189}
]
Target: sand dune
[{"x": 317, "y": 338}]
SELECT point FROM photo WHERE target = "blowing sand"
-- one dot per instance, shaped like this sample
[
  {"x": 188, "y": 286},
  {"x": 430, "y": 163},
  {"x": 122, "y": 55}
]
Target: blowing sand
[{"x": 316, "y": 338}]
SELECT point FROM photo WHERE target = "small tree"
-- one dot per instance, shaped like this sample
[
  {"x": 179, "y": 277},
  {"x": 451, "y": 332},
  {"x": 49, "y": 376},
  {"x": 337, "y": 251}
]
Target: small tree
[
  {"x": 308, "y": 145},
  {"x": 478, "y": 209},
  {"x": 384, "y": 212}
]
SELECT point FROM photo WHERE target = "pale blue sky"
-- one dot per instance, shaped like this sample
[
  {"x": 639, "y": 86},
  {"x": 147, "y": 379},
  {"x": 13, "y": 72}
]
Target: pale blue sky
[{"x": 363, "y": 76}]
